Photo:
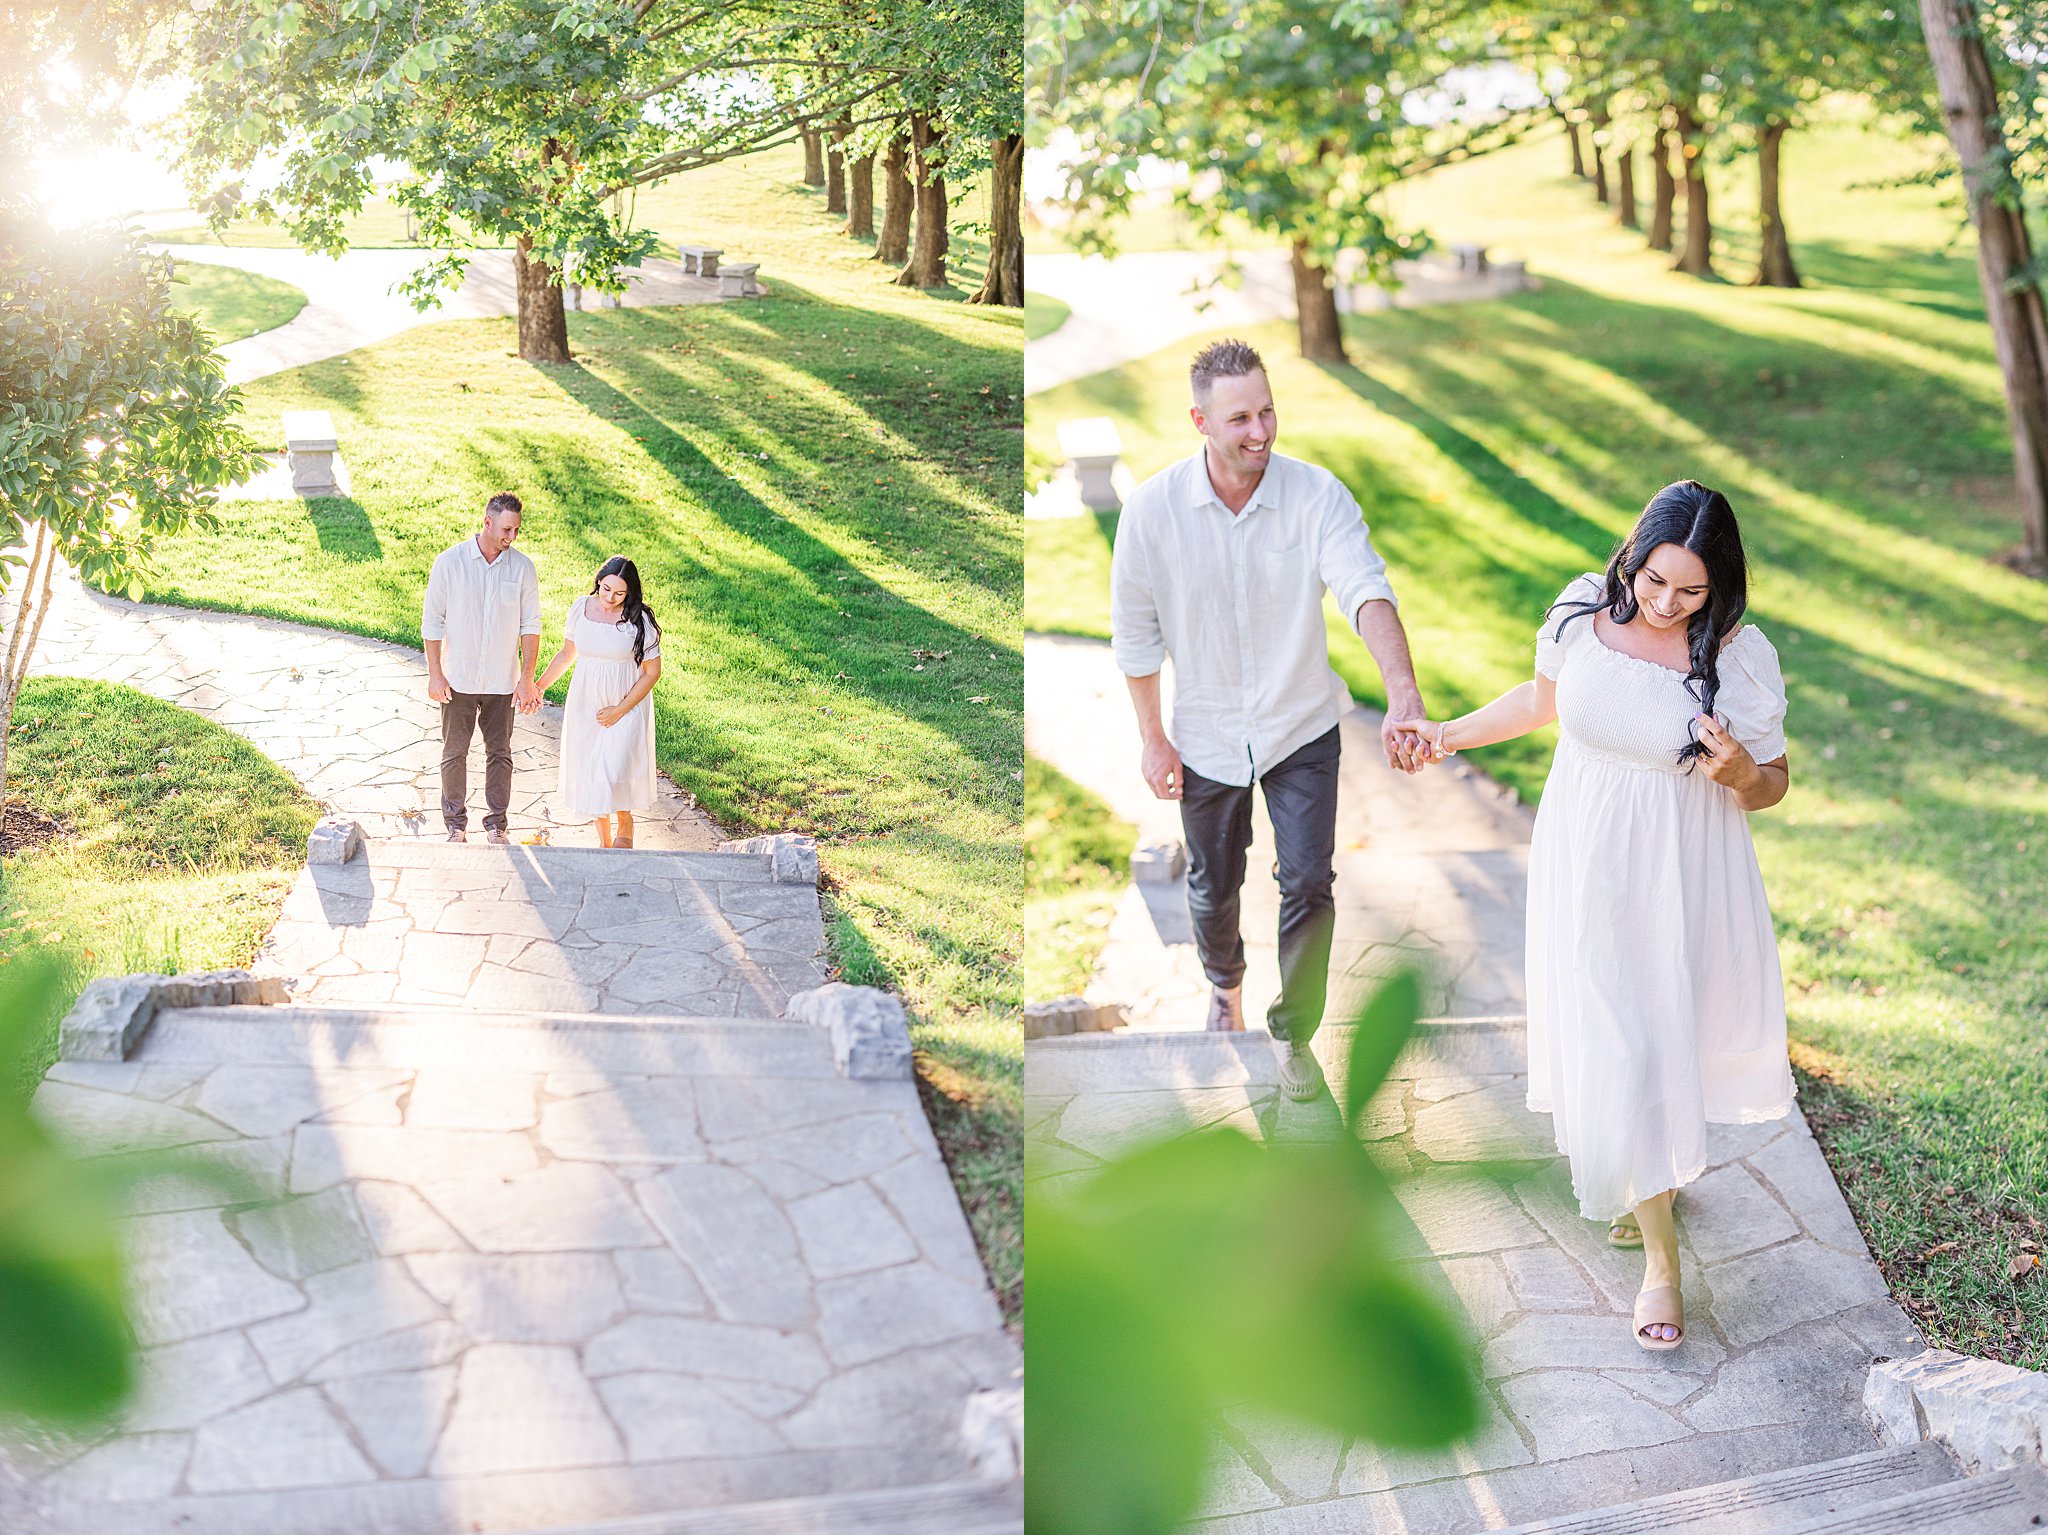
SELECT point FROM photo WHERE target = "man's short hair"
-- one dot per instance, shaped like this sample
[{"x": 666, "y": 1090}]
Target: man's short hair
[
  {"x": 1221, "y": 359},
  {"x": 503, "y": 501}
]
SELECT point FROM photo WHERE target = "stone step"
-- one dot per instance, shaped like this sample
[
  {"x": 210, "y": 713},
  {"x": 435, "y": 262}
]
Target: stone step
[
  {"x": 420, "y": 1036},
  {"x": 1763, "y": 1505},
  {"x": 563, "y": 930},
  {"x": 2013, "y": 1502},
  {"x": 951, "y": 1508},
  {"x": 1140, "y": 1060}
]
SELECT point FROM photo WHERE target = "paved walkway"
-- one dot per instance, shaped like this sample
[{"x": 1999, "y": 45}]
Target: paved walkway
[
  {"x": 1786, "y": 1308},
  {"x": 1127, "y": 307},
  {"x": 525, "y": 1268},
  {"x": 348, "y": 717},
  {"x": 349, "y": 302}
]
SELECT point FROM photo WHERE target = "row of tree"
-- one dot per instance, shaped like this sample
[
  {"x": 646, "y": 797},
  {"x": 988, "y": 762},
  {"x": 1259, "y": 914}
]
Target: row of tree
[
  {"x": 1296, "y": 116},
  {"x": 522, "y": 120}
]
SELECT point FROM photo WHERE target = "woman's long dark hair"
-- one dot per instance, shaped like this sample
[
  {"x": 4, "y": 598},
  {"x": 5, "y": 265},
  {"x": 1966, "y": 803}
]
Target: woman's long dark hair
[
  {"x": 637, "y": 613},
  {"x": 1693, "y": 517}
]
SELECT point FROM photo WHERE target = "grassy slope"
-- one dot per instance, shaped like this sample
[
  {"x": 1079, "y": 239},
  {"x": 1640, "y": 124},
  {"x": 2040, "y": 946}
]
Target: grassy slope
[
  {"x": 818, "y": 487},
  {"x": 1042, "y": 315},
  {"x": 234, "y": 304},
  {"x": 187, "y": 837},
  {"x": 1858, "y": 426},
  {"x": 1077, "y": 863}
]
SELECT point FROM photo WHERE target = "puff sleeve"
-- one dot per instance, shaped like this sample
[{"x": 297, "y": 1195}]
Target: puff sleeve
[
  {"x": 1550, "y": 650},
  {"x": 1752, "y": 695}
]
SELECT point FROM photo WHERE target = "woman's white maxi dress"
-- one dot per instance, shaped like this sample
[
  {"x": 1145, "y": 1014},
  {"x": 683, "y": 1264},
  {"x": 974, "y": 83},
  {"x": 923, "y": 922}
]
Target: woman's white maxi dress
[
  {"x": 604, "y": 769},
  {"x": 1656, "y": 1005}
]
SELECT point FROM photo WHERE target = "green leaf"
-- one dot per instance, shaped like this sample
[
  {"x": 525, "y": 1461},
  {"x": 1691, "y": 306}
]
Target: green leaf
[{"x": 1381, "y": 1032}]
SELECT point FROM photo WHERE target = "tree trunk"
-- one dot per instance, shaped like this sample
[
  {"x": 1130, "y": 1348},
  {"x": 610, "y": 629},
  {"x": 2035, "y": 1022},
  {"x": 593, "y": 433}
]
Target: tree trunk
[
  {"x": 1665, "y": 190},
  {"x": 860, "y": 199},
  {"x": 835, "y": 173},
  {"x": 1625, "y": 189},
  {"x": 1774, "y": 267},
  {"x": 893, "y": 246},
  {"x": 927, "y": 265},
  {"x": 1571, "y": 133},
  {"x": 31, "y": 606},
  {"x": 1005, "y": 281},
  {"x": 1697, "y": 258},
  {"x": 1315, "y": 309},
  {"x": 1598, "y": 135},
  {"x": 543, "y": 324},
  {"x": 1969, "y": 104},
  {"x": 814, "y": 158}
]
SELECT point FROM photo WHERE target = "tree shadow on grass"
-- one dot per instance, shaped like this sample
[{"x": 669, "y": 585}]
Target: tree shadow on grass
[{"x": 344, "y": 530}]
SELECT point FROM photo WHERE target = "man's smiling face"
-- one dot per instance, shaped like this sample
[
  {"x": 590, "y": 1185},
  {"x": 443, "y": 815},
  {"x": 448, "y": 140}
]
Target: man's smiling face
[{"x": 1239, "y": 422}]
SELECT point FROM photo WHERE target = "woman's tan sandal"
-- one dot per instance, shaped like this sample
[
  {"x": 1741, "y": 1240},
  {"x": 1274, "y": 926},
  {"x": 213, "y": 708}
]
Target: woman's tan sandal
[
  {"x": 1623, "y": 1231},
  {"x": 1660, "y": 1307}
]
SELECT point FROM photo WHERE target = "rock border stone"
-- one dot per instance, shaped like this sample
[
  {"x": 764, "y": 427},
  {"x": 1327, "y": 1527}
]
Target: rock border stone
[
  {"x": 1159, "y": 863},
  {"x": 1071, "y": 1015},
  {"x": 795, "y": 855},
  {"x": 870, "y": 1037},
  {"x": 1988, "y": 1415},
  {"x": 992, "y": 1426},
  {"x": 113, "y": 1013},
  {"x": 335, "y": 839}
]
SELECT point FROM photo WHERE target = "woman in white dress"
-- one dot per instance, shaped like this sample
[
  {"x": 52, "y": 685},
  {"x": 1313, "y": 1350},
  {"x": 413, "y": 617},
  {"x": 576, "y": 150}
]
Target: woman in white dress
[
  {"x": 1656, "y": 1006},
  {"x": 607, "y": 756}
]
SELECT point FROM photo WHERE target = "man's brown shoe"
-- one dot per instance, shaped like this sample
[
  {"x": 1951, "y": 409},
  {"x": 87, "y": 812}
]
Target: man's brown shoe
[
  {"x": 458, "y": 836},
  {"x": 499, "y": 836}
]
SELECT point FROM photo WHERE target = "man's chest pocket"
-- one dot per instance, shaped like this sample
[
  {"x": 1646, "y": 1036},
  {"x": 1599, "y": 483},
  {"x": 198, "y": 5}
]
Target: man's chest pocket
[{"x": 1282, "y": 576}]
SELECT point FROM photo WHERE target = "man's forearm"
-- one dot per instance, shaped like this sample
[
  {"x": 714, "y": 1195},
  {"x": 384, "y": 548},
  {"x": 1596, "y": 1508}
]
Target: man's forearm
[
  {"x": 433, "y": 658},
  {"x": 1380, "y": 627},
  {"x": 529, "y": 654},
  {"x": 1145, "y": 699}
]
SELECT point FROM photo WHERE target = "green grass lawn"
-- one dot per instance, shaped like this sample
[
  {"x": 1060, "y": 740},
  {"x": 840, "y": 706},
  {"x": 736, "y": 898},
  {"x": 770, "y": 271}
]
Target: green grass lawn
[
  {"x": 821, "y": 489},
  {"x": 185, "y": 838},
  {"x": 1042, "y": 315},
  {"x": 1859, "y": 428},
  {"x": 234, "y": 304},
  {"x": 1077, "y": 863}
]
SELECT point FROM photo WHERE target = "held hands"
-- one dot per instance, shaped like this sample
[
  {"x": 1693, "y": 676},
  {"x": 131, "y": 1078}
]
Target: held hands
[
  {"x": 1413, "y": 742},
  {"x": 526, "y": 696},
  {"x": 1160, "y": 764}
]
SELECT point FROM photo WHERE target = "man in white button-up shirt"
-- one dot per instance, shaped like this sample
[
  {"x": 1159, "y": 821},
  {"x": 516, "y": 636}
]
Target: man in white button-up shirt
[
  {"x": 481, "y": 624},
  {"x": 1221, "y": 563}
]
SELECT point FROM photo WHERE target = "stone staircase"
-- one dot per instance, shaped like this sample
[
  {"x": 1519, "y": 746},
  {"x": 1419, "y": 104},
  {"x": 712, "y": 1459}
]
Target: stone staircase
[
  {"x": 1786, "y": 1310},
  {"x": 1913, "y": 1490},
  {"x": 470, "y": 1258}
]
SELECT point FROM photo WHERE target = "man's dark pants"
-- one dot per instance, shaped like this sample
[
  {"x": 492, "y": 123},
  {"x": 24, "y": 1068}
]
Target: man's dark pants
[
  {"x": 459, "y": 718},
  {"x": 1301, "y": 798}
]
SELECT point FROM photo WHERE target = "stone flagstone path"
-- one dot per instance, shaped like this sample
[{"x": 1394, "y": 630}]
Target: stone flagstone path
[
  {"x": 1786, "y": 1309},
  {"x": 516, "y": 1265},
  {"x": 348, "y": 717}
]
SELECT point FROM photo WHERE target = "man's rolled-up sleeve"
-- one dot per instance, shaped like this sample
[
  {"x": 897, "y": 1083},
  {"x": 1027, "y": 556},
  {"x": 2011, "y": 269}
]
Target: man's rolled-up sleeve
[
  {"x": 1136, "y": 640},
  {"x": 529, "y": 600},
  {"x": 1351, "y": 568},
  {"x": 434, "y": 612}
]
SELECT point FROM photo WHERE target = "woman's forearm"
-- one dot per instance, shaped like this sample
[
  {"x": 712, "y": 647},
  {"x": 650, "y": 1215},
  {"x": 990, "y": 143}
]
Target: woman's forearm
[
  {"x": 557, "y": 666},
  {"x": 1773, "y": 781},
  {"x": 649, "y": 670},
  {"x": 1515, "y": 713}
]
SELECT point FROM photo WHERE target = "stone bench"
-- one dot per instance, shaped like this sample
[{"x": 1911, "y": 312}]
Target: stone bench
[
  {"x": 309, "y": 446},
  {"x": 701, "y": 260},
  {"x": 1469, "y": 259},
  {"x": 737, "y": 280},
  {"x": 1094, "y": 448}
]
